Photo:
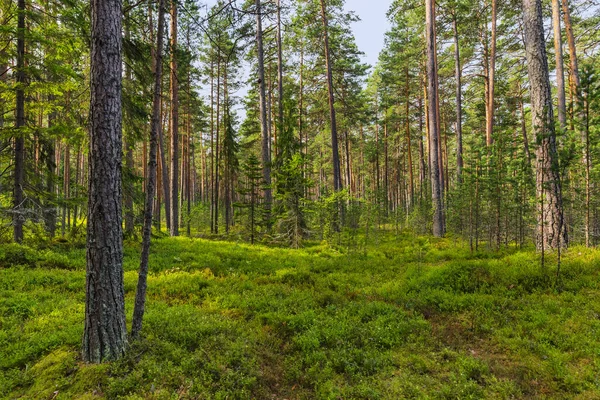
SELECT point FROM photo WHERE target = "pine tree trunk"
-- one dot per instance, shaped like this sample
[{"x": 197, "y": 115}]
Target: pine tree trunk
[
  {"x": 216, "y": 189},
  {"x": 266, "y": 152},
  {"x": 174, "y": 212},
  {"x": 337, "y": 177},
  {"x": 105, "y": 333},
  {"x": 409, "y": 142},
  {"x": 279, "y": 70},
  {"x": 439, "y": 228},
  {"x": 579, "y": 109},
  {"x": 560, "y": 74},
  {"x": 551, "y": 232},
  {"x": 491, "y": 79},
  {"x": 164, "y": 176},
  {"x": 50, "y": 161},
  {"x": 140, "y": 295},
  {"x": 458, "y": 75},
  {"x": 127, "y": 191},
  {"x": 19, "y": 174}
]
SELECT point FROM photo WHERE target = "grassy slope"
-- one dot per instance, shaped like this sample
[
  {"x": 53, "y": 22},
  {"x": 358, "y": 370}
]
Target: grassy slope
[{"x": 411, "y": 317}]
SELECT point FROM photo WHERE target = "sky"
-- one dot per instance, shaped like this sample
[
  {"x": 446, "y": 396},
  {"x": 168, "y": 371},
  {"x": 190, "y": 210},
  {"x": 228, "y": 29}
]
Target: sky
[{"x": 370, "y": 31}]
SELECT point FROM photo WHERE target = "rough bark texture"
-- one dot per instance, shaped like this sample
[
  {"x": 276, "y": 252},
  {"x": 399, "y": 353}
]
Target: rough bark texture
[
  {"x": 174, "y": 125},
  {"x": 337, "y": 177},
  {"x": 19, "y": 174},
  {"x": 439, "y": 228},
  {"x": 266, "y": 152},
  {"x": 140, "y": 295},
  {"x": 105, "y": 333},
  {"x": 549, "y": 197}
]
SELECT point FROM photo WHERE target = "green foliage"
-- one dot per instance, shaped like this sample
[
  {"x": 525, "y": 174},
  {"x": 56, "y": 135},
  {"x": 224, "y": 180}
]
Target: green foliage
[
  {"x": 292, "y": 207},
  {"x": 411, "y": 317}
]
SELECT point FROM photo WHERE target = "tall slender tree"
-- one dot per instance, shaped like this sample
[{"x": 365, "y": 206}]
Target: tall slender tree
[
  {"x": 140, "y": 296},
  {"x": 19, "y": 173},
  {"x": 264, "y": 129},
  {"x": 337, "y": 177},
  {"x": 439, "y": 224},
  {"x": 174, "y": 212}
]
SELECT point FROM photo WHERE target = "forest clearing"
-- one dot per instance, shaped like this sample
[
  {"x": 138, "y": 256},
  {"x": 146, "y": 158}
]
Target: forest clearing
[
  {"x": 401, "y": 317},
  {"x": 279, "y": 199}
]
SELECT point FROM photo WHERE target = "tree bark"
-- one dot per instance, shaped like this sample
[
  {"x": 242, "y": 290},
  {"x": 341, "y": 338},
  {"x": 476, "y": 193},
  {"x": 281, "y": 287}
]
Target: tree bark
[
  {"x": 439, "y": 228},
  {"x": 458, "y": 75},
  {"x": 492, "y": 79},
  {"x": 279, "y": 72},
  {"x": 551, "y": 232},
  {"x": 579, "y": 109},
  {"x": 337, "y": 178},
  {"x": 560, "y": 74},
  {"x": 409, "y": 142},
  {"x": 105, "y": 332},
  {"x": 129, "y": 146},
  {"x": 140, "y": 295},
  {"x": 266, "y": 152},
  {"x": 19, "y": 174},
  {"x": 174, "y": 125}
]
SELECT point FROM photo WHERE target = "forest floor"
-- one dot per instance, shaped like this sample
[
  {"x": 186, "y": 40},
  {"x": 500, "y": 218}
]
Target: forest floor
[{"x": 405, "y": 317}]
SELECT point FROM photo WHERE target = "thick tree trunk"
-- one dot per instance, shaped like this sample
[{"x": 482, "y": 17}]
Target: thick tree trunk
[
  {"x": 439, "y": 226},
  {"x": 174, "y": 126},
  {"x": 19, "y": 174},
  {"x": 105, "y": 333},
  {"x": 337, "y": 178},
  {"x": 551, "y": 232},
  {"x": 140, "y": 295},
  {"x": 264, "y": 129}
]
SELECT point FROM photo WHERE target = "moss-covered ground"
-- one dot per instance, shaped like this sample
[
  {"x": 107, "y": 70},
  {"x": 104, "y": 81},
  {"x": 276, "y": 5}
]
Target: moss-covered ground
[{"x": 407, "y": 317}]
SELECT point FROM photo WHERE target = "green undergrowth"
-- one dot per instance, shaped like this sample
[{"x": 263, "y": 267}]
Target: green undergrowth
[{"x": 408, "y": 318}]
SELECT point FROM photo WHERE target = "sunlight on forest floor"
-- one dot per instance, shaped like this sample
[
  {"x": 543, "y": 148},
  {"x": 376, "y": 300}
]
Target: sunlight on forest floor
[{"x": 409, "y": 318}]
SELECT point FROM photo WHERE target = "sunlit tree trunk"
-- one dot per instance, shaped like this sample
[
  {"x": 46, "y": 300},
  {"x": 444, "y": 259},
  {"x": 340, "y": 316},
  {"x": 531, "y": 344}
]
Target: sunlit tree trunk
[
  {"x": 560, "y": 74},
  {"x": 439, "y": 227},
  {"x": 551, "y": 232},
  {"x": 174, "y": 212}
]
